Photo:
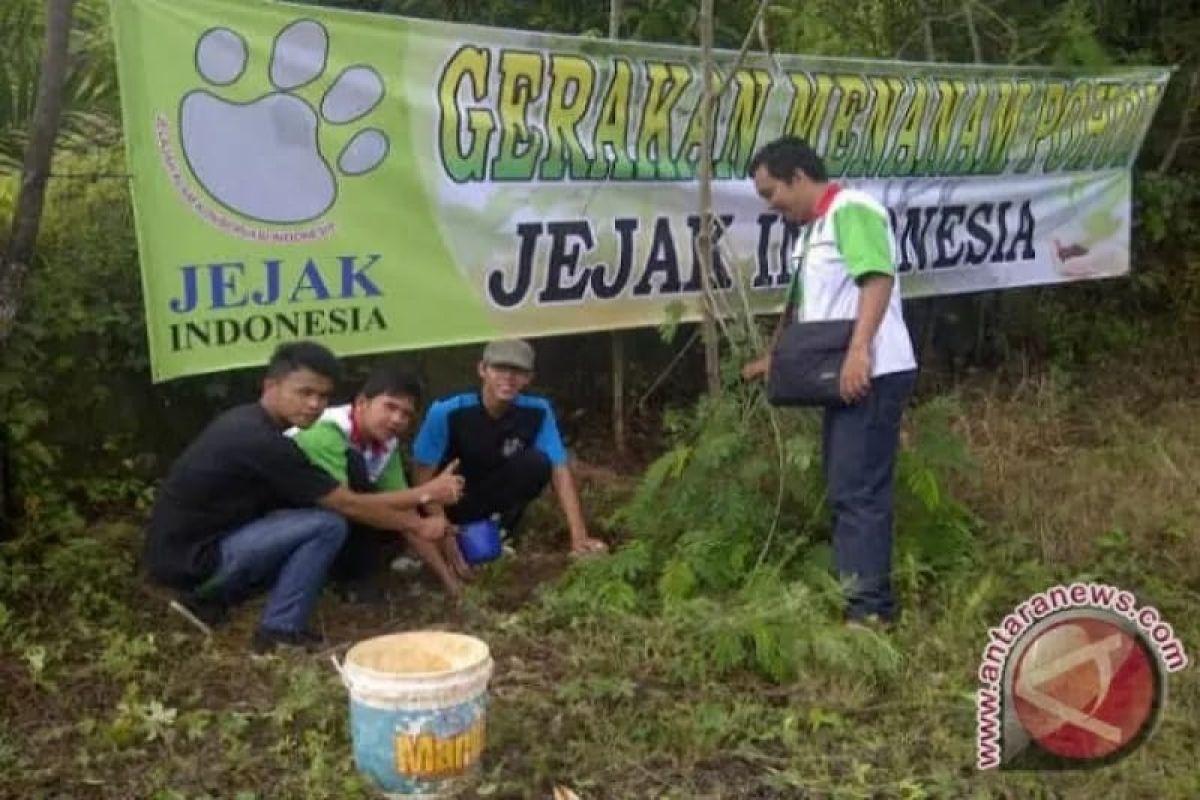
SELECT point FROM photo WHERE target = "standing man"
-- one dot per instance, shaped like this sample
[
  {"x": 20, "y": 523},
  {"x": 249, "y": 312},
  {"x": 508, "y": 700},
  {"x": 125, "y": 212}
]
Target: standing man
[
  {"x": 359, "y": 445},
  {"x": 844, "y": 264},
  {"x": 507, "y": 443},
  {"x": 243, "y": 511}
]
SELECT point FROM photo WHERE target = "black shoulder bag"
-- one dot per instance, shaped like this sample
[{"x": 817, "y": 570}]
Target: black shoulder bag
[{"x": 806, "y": 364}]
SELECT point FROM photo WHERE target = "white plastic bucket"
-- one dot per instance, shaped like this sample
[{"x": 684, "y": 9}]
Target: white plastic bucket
[{"x": 418, "y": 711}]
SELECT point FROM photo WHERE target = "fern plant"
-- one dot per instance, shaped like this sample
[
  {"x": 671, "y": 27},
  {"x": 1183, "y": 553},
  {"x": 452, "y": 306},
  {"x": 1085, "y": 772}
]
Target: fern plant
[{"x": 728, "y": 562}]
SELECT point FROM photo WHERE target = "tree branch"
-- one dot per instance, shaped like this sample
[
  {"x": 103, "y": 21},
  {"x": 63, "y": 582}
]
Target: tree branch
[
  {"x": 741, "y": 56},
  {"x": 708, "y": 325},
  {"x": 617, "y": 337},
  {"x": 1013, "y": 33},
  {"x": 927, "y": 31},
  {"x": 972, "y": 32},
  {"x": 1185, "y": 122}
]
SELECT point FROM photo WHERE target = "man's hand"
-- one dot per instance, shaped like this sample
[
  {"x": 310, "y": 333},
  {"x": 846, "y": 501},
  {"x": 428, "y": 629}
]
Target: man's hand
[
  {"x": 855, "y": 379},
  {"x": 586, "y": 545},
  {"x": 445, "y": 489},
  {"x": 757, "y": 368},
  {"x": 431, "y": 529}
]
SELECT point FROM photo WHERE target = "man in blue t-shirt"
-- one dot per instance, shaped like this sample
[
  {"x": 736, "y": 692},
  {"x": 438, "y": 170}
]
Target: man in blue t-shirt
[{"x": 507, "y": 444}]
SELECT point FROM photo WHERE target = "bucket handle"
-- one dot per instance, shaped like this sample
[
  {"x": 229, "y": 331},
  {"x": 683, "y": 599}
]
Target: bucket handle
[{"x": 341, "y": 671}]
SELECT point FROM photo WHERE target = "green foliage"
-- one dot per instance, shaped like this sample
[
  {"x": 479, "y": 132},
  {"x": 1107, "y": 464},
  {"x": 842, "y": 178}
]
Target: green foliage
[
  {"x": 75, "y": 369},
  {"x": 703, "y": 658},
  {"x": 727, "y": 553},
  {"x": 132, "y": 700},
  {"x": 934, "y": 532},
  {"x": 90, "y": 115}
]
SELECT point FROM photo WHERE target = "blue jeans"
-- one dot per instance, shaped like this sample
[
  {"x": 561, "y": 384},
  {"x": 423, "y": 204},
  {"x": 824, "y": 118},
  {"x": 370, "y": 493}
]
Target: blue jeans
[
  {"x": 859, "y": 444},
  {"x": 289, "y": 552}
]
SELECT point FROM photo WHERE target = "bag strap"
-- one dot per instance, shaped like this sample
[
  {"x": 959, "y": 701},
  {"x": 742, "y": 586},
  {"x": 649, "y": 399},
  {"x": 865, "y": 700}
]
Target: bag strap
[{"x": 800, "y": 260}]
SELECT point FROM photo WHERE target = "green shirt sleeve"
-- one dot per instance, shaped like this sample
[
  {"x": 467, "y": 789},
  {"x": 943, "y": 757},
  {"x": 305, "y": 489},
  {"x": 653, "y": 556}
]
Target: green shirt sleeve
[
  {"x": 862, "y": 240},
  {"x": 392, "y": 477},
  {"x": 325, "y": 445}
]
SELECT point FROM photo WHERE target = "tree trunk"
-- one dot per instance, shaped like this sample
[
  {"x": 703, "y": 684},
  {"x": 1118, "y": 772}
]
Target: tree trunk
[
  {"x": 704, "y": 244},
  {"x": 47, "y": 114},
  {"x": 620, "y": 441}
]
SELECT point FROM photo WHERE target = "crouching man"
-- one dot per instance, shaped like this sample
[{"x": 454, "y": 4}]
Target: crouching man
[
  {"x": 507, "y": 443},
  {"x": 243, "y": 511},
  {"x": 359, "y": 445}
]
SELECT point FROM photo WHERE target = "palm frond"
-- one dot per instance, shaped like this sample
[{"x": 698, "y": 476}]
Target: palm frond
[{"x": 92, "y": 114}]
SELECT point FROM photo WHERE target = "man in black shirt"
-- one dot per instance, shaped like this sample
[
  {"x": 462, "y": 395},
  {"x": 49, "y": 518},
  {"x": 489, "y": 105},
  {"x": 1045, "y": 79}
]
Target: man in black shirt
[
  {"x": 238, "y": 512},
  {"x": 507, "y": 443}
]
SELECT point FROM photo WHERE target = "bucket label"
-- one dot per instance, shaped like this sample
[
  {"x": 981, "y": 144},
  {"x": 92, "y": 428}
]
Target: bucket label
[
  {"x": 406, "y": 751},
  {"x": 427, "y": 756}
]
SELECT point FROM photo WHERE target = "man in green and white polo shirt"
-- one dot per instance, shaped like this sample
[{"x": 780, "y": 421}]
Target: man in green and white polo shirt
[
  {"x": 844, "y": 263},
  {"x": 359, "y": 445}
]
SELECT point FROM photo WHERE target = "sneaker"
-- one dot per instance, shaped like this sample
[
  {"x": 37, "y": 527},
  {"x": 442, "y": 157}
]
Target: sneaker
[
  {"x": 405, "y": 565},
  {"x": 203, "y": 613},
  {"x": 267, "y": 640}
]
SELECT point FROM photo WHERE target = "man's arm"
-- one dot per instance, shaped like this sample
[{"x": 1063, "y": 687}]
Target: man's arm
[
  {"x": 324, "y": 445},
  {"x": 550, "y": 442},
  {"x": 863, "y": 238},
  {"x": 873, "y": 297},
  {"x": 422, "y": 474},
  {"x": 378, "y": 511},
  {"x": 430, "y": 447},
  {"x": 762, "y": 364},
  {"x": 568, "y": 501}
]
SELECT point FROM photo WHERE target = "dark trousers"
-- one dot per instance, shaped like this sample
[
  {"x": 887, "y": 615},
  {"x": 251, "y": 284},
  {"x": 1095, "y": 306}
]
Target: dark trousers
[
  {"x": 286, "y": 553},
  {"x": 859, "y": 446},
  {"x": 365, "y": 551},
  {"x": 506, "y": 491}
]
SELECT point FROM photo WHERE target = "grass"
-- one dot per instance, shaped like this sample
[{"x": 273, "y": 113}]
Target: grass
[{"x": 107, "y": 696}]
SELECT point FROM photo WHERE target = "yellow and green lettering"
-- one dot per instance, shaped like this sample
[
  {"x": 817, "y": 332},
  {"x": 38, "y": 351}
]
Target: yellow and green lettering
[
  {"x": 970, "y": 132},
  {"x": 575, "y": 77},
  {"x": 809, "y": 99},
  {"x": 610, "y": 139},
  {"x": 1011, "y": 101},
  {"x": 886, "y": 92},
  {"x": 1049, "y": 113},
  {"x": 667, "y": 83},
  {"x": 906, "y": 146},
  {"x": 520, "y": 145},
  {"x": 1066, "y": 137},
  {"x": 940, "y": 135},
  {"x": 752, "y": 88},
  {"x": 471, "y": 65},
  {"x": 849, "y": 100}
]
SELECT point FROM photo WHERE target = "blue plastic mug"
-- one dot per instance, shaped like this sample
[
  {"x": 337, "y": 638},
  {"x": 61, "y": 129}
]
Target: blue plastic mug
[{"x": 479, "y": 541}]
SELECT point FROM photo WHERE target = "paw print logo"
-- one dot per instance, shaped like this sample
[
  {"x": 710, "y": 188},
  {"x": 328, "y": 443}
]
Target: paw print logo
[{"x": 263, "y": 158}]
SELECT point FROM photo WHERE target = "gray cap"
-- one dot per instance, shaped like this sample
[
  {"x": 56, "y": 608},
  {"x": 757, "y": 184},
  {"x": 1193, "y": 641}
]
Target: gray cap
[{"x": 509, "y": 353}]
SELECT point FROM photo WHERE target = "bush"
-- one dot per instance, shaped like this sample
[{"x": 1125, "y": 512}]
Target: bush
[{"x": 729, "y": 557}]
